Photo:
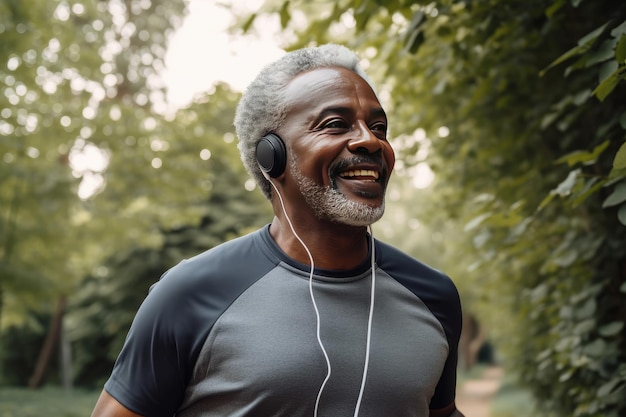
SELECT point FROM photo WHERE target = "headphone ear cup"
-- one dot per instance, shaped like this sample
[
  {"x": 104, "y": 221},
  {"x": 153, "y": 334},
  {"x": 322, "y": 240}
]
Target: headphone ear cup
[{"x": 271, "y": 155}]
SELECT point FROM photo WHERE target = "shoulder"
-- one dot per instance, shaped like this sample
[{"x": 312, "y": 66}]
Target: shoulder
[
  {"x": 192, "y": 295},
  {"x": 231, "y": 264},
  {"x": 433, "y": 287},
  {"x": 420, "y": 278}
]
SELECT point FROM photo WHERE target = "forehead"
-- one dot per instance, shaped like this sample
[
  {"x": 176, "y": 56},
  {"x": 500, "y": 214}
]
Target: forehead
[{"x": 314, "y": 90}]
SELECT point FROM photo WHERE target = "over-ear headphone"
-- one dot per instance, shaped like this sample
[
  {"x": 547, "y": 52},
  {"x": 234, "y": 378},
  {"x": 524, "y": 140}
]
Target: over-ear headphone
[{"x": 271, "y": 155}]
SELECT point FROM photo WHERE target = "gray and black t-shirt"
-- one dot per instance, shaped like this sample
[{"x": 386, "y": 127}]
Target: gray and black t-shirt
[{"x": 232, "y": 332}]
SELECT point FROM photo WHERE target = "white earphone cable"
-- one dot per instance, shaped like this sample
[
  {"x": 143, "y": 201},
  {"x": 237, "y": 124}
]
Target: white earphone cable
[
  {"x": 317, "y": 313},
  {"x": 369, "y": 323}
]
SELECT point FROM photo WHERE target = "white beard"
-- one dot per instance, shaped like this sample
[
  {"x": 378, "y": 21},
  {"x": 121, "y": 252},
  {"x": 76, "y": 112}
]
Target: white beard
[{"x": 329, "y": 204}]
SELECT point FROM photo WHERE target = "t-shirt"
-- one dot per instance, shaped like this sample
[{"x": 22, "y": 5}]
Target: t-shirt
[{"x": 233, "y": 332}]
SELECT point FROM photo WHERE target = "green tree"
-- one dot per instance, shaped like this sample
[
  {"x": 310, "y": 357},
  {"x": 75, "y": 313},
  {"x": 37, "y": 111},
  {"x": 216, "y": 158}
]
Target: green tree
[
  {"x": 81, "y": 80},
  {"x": 70, "y": 72},
  {"x": 523, "y": 106},
  {"x": 66, "y": 68}
]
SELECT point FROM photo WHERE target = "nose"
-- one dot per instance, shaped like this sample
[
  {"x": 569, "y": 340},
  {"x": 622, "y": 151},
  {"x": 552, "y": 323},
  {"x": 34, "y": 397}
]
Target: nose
[{"x": 365, "y": 140}]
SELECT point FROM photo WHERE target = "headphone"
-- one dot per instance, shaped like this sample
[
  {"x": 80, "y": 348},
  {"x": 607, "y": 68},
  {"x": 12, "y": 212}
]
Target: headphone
[{"x": 271, "y": 155}]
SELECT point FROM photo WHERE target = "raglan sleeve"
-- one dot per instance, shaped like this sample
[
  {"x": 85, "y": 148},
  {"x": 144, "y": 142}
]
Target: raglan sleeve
[
  {"x": 451, "y": 318},
  {"x": 156, "y": 361}
]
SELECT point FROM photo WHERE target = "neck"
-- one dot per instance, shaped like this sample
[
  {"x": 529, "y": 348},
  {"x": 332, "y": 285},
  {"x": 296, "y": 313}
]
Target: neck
[{"x": 333, "y": 246}]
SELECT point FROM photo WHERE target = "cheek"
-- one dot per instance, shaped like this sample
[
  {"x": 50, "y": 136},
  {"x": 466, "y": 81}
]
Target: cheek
[{"x": 316, "y": 159}]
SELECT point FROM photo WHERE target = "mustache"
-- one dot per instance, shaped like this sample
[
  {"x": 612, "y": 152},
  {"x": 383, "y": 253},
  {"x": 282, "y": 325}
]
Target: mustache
[{"x": 375, "y": 159}]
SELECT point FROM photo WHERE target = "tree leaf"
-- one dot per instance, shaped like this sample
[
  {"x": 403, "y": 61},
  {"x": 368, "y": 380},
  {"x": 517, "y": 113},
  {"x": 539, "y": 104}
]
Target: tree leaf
[
  {"x": 285, "y": 16},
  {"x": 608, "y": 387},
  {"x": 619, "y": 162},
  {"x": 546, "y": 200},
  {"x": 583, "y": 45},
  {"x": 597, "y": 348},
  {"x": 245, "y": 27},
  {"x": 611, "y": 329},
  {"x": 604, "y": 52},
  {"x": 619, "y": 29},
  {"x": 476, "y": 221},
  {"x": 616, "y": 175},
  {"x": 414, "y": 36},
  {"x": 591, "y": 37},
  {"x": 584, "y": 157},
  {"x": 618, "y": 196},
  {"x": 608, "y": 85},
  {"x": 565, "y": 187},
  {"x": 607, "y": 69},
  {"x": 620, "y": 50},
  {"x": 587, "y": 310}
]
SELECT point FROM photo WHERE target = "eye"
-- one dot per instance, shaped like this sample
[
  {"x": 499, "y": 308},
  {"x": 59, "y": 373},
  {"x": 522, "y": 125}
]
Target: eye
[
  {"x": 379, "y": 129},
  {"x": 335, "y": 124}
]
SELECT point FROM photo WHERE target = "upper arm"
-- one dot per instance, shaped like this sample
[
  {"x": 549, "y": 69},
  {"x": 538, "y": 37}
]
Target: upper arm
[
  {"x": 447, "y": 411},
  {"x": 107, "y": 406}
]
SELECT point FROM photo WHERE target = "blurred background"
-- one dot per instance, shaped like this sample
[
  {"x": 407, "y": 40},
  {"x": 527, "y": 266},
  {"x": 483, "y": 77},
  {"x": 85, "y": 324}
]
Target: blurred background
[{"x": 118, "y": 159}]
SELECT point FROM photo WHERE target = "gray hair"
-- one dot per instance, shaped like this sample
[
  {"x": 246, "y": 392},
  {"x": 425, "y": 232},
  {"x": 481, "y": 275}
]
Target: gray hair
[{"x": 262, "y": 107}]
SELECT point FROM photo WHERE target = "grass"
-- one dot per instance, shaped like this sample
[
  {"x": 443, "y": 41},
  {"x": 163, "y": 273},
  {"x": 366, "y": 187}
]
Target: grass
[
  {"x": 511, "y": 401},
  {"x": 48, "y": 401}
]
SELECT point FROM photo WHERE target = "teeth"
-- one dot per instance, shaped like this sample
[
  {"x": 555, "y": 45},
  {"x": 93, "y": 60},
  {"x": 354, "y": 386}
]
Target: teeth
[{"x": 360, "y": 173}]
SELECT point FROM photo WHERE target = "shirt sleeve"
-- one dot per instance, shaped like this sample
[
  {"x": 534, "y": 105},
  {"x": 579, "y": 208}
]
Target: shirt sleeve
[
  {"x": 450, "y": 316},
  {"x": 154, "y": 365}
]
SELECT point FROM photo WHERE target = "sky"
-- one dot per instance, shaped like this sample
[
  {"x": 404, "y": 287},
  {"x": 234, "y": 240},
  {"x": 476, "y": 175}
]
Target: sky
[{"x": 202, "y": 51}]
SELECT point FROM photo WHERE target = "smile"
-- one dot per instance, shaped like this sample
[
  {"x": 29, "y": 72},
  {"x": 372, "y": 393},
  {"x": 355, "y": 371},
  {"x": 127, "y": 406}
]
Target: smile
[{"x": 363, "y": 174}]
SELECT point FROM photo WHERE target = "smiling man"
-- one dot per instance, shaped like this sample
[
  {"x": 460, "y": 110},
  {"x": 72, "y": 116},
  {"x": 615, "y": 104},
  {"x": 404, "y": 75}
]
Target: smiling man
[{"x": 310, "y": 315}]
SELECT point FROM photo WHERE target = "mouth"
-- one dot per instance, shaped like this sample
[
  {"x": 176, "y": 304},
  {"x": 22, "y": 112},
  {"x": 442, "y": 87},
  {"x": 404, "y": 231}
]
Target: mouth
[
  {"x": 360, "y": 177},
  {"x": 367, "y": 175}
]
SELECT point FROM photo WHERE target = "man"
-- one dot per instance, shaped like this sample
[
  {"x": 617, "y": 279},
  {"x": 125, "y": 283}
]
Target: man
[{"x": 309, "y": 316}]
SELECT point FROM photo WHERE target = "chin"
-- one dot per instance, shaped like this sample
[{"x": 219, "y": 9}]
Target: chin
[{"x": 352, "y": 213}]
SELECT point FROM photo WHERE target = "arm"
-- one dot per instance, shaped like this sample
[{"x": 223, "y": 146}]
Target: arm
[
  {"x": 107, "y": 406},
  {"x": 448, "y": 411}
]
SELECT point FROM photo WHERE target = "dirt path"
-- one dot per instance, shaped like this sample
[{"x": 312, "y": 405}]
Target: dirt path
[{"x": 474, "y": 396}]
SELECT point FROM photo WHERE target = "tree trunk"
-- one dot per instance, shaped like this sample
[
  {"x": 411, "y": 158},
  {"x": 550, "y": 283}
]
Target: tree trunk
[
  {"x": 65, "y": 358},
  {"x": 472, "y": 338},
  {"x": 47, "y": 348}
]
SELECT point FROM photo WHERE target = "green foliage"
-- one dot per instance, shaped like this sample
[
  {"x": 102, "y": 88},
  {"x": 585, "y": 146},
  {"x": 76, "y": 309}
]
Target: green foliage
[
  {"x": 37, "y": 197},
  {"x": 522, "y": 106},
  {"x": 69, "y": 71},
  {"x": 82, "y": 79}
]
